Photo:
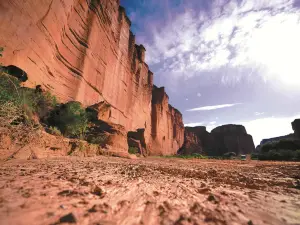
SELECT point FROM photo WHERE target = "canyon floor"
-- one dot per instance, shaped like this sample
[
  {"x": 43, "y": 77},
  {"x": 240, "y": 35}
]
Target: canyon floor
[{"x": 105, "y": 190}]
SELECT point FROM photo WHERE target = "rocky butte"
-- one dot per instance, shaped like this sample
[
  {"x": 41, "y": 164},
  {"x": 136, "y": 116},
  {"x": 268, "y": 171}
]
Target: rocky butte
[
  {"x": 222, "y": 139},
  {"x": 83, "y": 50}
]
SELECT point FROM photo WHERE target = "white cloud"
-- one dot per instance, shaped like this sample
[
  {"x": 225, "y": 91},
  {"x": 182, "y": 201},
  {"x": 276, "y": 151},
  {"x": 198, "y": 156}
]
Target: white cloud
[
  {"x": 259, "y": 113},
  {"x": 213, "y": 107},
  {"x": 199, "y": 94},
  {"x": 212, "y": 123},
  {"x": 259, "y": 34}
]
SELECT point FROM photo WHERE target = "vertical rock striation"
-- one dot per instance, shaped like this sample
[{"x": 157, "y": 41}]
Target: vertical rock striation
[
  {"x": 83, "y": 50},
  {"x": 167, "y": 127}
]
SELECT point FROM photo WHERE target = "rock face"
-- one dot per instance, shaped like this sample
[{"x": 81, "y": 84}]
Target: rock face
[
  {"x": 296, "y": 127},
  {"x": 83, "y": 50},
  {"x": 167, "y": 130},
  {"x": 233, "y": 138},
  {"x": 227, "y": 138},
  {"x": 276, "y": 139},
  {"x": 197, "y": 140},
  {"x": 192, "y": 144}
]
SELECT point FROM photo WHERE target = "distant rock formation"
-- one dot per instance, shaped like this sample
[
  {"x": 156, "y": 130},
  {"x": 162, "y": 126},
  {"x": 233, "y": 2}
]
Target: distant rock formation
[
  {"x": 233, "y": 138},
  {"x": 296, "y": 128},
  {"x": 192, "y": 144},
  {"x": 223, "y": 139},
  {"x": 84, "y": 51},
  {"x": 294, "y": 136},
  {"x": 276, "y": 139}
]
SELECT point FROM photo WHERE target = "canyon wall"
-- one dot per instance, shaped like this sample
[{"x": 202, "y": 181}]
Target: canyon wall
[
  {"x": 222, "y": 139},
  {"x": 167, "y": 127},
  {"x": 83, "y": 50}
]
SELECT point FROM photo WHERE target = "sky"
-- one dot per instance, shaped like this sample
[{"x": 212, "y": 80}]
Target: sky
[{"x": 225, "y": 61}]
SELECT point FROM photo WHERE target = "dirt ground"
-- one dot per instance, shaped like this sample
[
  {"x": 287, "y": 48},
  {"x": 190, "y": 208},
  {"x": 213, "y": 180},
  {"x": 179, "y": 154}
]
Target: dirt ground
[{"x": 105, "y": 190}]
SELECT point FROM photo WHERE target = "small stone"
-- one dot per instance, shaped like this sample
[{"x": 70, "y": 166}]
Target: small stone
[
  {"x": 50, "y": 214},
  {"x": 63, "y": 207},
  {"x": 69, "y": 218},
  {"x": 250, "y": 222},
  {"x": 93, "y": 209},
  {"x": 204, "y": 190},
  {"x": 211, "y": 198},
  {"x": 98, "y": 191}
]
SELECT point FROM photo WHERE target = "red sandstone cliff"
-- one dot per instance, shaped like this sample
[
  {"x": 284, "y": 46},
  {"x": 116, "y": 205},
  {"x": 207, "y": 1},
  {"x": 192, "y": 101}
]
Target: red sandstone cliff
[
  {"x": 167, "y": 126},
  {"x": 84, "y": 50}
]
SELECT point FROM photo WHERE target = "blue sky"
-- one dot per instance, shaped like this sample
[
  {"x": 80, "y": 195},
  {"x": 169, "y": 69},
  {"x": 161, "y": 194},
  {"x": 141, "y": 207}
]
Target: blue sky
[{"x": 225, "y": 61}]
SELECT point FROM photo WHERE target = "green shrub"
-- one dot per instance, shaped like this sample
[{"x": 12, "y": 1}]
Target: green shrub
[
  {"x": 297, "y": 155},
  {"x": 9, "y": 88},
  {"x": 229, "y": 155},
  {"x": 133, "y": 150},
  {"x": 280, "y": 155},
  {"x": 71, "y": 119},
  {"x": 98, "y": 140},
  {"x": 267, "y": 147},
  {"x": 30, "y": 101},
  {"x": 254, "y": 156},
  {"x": 289, "y": 144},
  {"x": 55, "y": 131}
]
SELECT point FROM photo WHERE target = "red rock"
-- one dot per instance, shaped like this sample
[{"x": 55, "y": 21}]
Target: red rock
[
  {"x": 233, "y": 138},
  {"x": 192, "y": 144},
  {"x": 227, "y": 138},
  {"x": 167, "y": 126},
  {"x": 84, "y": 51},
  {"x": 198, "y": 140}
]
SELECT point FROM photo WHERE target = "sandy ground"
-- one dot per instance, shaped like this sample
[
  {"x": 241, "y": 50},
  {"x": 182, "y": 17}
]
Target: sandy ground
[{"x": 105, "y": 190}]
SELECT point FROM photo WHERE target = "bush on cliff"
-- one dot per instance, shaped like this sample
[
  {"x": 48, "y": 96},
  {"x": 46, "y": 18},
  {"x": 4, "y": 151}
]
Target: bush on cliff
[
  {"x": 29, "y": 101},
  {"x": 71, "y": 119}
]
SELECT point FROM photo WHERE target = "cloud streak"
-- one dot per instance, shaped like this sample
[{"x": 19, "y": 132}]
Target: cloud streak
[{"x": 213, "y": 107}]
